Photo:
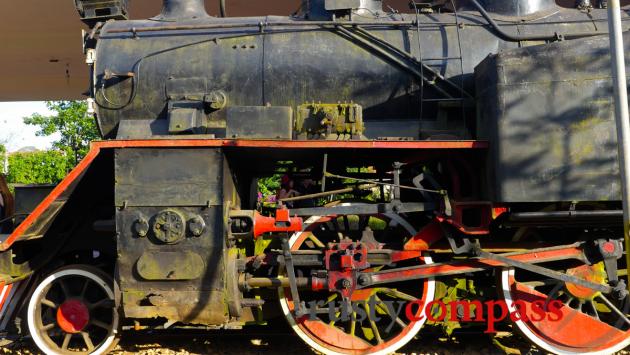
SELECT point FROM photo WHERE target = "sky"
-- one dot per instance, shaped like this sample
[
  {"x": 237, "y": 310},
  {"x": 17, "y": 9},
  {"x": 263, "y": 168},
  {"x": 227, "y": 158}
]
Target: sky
[{"x": 14, "y": 133}]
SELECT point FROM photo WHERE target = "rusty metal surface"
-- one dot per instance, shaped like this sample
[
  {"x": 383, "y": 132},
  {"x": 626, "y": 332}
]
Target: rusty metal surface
[
  {"x": 153, "y": 177},
  {"x": 170, "y": 265},
  {"x": 167, "y": 268},
  {"x": 252, "y": 122},
  {"x": 277, "y": 65},
  {"x": 548, "y": 111}
]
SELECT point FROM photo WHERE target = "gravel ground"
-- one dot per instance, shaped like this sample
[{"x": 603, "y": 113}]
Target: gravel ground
[{"x": 283, "y": 342}]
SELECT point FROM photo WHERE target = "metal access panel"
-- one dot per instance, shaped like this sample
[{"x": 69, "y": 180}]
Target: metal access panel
[
  {"x": 548, "y": 113},
  {"x": 170, "y": 229},
  {"x": 259, "y": 122},
  {"x": 181, "y": 177}
]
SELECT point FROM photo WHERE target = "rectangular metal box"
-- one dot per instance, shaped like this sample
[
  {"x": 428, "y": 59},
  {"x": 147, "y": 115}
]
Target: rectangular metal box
[
  {"x": 548, "y": 113},
  {"x": 259, "y": 122},
  {"x": 180, "y": 279}
]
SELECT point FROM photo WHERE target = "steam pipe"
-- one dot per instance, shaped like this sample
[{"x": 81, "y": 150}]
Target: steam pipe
[{"x": 222, "y": 8}]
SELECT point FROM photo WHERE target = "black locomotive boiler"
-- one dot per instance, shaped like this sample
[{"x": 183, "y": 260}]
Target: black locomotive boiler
[{"x": 458, "y": 156}]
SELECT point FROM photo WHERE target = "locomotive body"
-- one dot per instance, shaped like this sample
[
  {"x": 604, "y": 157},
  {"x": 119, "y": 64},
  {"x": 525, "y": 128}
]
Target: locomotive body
[
  {"x": 420, "y": 156},
  {"x": 193, "y": 60}
]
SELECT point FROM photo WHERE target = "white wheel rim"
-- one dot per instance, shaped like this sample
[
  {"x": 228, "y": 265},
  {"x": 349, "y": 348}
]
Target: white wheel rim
[
  {"x": 430, "y": 292},
  {"x": 42, "y": 287}
]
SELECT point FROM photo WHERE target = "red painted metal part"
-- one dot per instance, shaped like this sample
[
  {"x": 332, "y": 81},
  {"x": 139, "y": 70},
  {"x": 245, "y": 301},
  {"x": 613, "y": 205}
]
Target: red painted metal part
[
  {"x": 405, "y": 255},
  {"x": 593, "y": 273},
  {"x": 73, "y": 316},
  {"x": 267, "y": 143},
  {"x": 430, "y": 234},
  {"x": 342, "y": 261},
  {"x": 183, "y": 143},
  {"x": 497, "y": 211},
  {"x": 484, "y": 209},
  {"x": 464, "y": 266},
  {"x": 5, "y": 291},
  {"x": 281, "y": 223}
]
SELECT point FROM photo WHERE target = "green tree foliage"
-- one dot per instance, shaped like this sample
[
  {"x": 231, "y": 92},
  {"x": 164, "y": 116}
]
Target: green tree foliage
[
  {"x": 76, "y": 129},
  {"x": 42, "y": 167},
  {"x": 3, "y": 152},
  {"x": 269, "y": 186}
]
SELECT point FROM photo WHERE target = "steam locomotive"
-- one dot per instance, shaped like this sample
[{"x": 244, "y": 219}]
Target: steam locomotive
[{"x": 439, "y": 161}]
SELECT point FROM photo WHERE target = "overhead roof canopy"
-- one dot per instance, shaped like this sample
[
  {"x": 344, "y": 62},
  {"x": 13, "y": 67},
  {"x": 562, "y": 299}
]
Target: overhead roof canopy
[{"x": 41, "y": 56}]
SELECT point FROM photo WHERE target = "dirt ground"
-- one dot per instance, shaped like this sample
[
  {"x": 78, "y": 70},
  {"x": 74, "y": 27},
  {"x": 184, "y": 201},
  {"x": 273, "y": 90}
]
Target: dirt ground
[{"x": 282, "y": 341}]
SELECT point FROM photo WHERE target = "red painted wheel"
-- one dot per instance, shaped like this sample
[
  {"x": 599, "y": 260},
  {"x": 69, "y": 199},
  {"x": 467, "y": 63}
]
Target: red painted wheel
[
  {"x": 583, "y": 321},
  {"x": 72, "y": 311},
  {"x": 383, "y": 334}
]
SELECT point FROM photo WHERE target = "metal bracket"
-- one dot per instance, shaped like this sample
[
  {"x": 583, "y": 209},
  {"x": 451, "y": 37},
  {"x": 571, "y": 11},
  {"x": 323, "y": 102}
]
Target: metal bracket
[
  {"x": 364, "y": 209},
  {"x": 543, "y": 271},
  {"x": 610, "y": 251},
  {"x": 288, "y": 263},
  {"x": 467, "y": 247}
]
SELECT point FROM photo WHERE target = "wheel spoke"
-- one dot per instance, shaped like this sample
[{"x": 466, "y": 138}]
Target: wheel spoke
[
  {"x": 337, "y": 314},
  {"x": 376, "y": 332},
  {"x": 398, "y": 321},
  {"x": 594, "y": 308},
  {"x": 613, "y": 308},
  {"x": 64, "y": 288},
  {"x": 100, "y": 324},
  {"x": 49, "y": 303},
  {"x": 47, "y": 327},
  {"x": 353, "y": 323},
  {"x": 66, "y": 341},
  {"x": 316, "y": 240},
  {"x": 87, "y": 340},
  {"x": 85, "y": 287},
  {"x": 398, "y": 294},
  {"x": 553, "y": 294},
  {"x": 104, "y": 303},
  {"x": 377, "y": 335}
]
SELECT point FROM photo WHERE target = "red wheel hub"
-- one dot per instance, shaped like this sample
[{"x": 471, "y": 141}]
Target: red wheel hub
[
  {"x": 73, "y": 316},
  {"x": 593, "y": 273}
]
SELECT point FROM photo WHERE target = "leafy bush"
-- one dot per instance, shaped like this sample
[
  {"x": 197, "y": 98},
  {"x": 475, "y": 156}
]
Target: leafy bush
[{"x": 41, "y": 167}]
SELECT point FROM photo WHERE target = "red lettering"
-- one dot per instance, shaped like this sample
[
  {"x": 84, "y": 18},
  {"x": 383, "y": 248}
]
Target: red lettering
[
  {"x": 492, "y": 319},
  {"x": 414, "y": 316},
  {"x": 430, "y": 314},
  {"x": 538, "y": 307},
  {"x": 520, "y": 313},
  {"x": 554, "y": 307},
  {"x": 467, "y": 307}
]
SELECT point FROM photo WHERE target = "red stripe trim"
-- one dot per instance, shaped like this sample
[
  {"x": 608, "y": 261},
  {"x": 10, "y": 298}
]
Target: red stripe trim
[
  {"x": 293, "y": 144},
  {"x": 5, "y": 296}
]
